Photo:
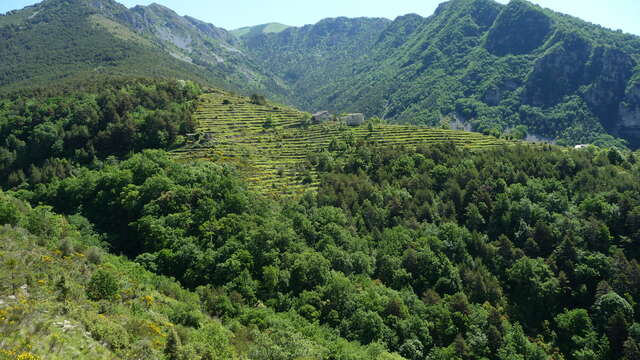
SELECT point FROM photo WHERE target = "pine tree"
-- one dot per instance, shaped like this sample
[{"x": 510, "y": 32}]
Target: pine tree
[{"x": 172, "y": 349}]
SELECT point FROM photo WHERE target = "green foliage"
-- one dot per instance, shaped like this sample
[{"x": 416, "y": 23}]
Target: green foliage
[
  {"x": 383, "y": 246},
  {"x": 258, "y": 99},
  {"x": 492, "y": 66},
  {"x": 172, "y": 349},
  {"x": 43, "y": 313},
  {"x": 103, "y": 285},
  {"x": 113, "y": 118}
]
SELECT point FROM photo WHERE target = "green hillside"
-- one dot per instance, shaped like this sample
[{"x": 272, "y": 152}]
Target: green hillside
[
  {"x": 63, "y": 296},
  {"x": 424, "y": 244},
  {"x": 59, "y": 41},
  {"x": 495, "y": 66},
  {"x": 274, "y": 144}
]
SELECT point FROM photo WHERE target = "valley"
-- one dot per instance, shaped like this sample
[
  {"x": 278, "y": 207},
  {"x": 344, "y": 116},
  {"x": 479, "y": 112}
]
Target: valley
[{"x": 167, "y": 194}]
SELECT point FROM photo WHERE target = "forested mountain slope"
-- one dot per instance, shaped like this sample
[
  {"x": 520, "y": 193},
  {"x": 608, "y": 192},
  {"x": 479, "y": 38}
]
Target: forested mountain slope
[
  {"x": 496, "y": 66},
  {"x": 60, "y": 40},
  {"x": 310, "y": 57},
  {"x": 62, "y": 296}
]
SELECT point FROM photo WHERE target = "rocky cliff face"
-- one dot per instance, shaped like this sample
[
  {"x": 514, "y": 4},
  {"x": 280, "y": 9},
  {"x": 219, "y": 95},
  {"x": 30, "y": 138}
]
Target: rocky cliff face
[
  {"x": 609, "y": 73},
  {"x": 559, "y": 72},
  {"x": 630, "y": 112}
]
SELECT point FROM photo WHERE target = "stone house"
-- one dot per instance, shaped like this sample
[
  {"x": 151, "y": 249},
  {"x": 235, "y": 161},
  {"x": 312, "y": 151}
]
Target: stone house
[{"x": 356, "y": 119}]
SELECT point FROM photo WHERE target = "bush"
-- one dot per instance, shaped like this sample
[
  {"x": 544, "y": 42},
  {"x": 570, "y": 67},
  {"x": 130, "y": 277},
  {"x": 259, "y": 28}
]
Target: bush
[
  {"x": 109, "y": 332},
  {"x": 184, "y": 314},
  {"x": 66, "y": 247},
  {"x": 102, "y": 286},
  {"x": 94, "y": 255},
  {"x": 9, "y": 213}
]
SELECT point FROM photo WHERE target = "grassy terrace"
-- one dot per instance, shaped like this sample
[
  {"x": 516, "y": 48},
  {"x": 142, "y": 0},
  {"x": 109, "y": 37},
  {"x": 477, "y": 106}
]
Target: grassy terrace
[{"x": 232, "y": 129}]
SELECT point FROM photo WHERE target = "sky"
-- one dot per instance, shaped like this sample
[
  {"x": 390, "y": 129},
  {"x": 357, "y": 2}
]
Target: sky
[{"x": 233, "y": 14}]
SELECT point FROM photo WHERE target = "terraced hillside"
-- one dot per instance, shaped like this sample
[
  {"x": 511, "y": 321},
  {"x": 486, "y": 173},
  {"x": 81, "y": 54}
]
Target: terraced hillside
[{"x": 271, "y": 142}]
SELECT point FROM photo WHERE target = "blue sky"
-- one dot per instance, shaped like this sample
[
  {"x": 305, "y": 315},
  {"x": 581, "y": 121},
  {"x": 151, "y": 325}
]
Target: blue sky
[{"x": 231, "y": 14}]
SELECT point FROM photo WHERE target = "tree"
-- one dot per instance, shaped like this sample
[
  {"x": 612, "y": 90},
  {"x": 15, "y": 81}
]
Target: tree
[
  {"x": 172, "y": 348},
  {"x": 576, "y": 334},
  {"x": 534, "y": 287},
  {"x": 606, "y": 306},
  {"x": 258, "y": 100},
  {"x": 517, "y": 346}
]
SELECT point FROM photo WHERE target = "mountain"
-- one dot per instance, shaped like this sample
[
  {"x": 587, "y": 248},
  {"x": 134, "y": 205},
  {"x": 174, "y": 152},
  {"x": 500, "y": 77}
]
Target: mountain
[
  {"x": 488, "y": 66},
  {"x": 61, "y": 39},
  {"x": 495, "y": 66},
  {"x": 309, "y": 57},
  {"x": 269, "y": 28}
]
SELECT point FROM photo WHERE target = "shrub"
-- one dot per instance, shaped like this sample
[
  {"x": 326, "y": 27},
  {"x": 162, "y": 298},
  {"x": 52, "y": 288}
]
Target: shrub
[
  {"x": 102, "y": 286},
  {"x": 107, "y": 331},
  {"x": 66, "y": 247},
  {"x": 258, "y": 99},
  {"x": 184, "y": 314},
  {"x": 94, "y": 255},
  {"x": 9, "y": 213}
]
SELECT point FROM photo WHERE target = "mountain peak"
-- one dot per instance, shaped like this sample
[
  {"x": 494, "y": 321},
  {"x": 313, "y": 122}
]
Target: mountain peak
[{"x": 108, "y": 8}]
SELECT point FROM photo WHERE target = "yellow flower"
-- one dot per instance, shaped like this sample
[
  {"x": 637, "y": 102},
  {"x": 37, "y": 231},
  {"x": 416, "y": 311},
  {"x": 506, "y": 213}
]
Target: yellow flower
[
  {"x": 27, "y": 356},
  {"x": 155, "y": 329},
  {"x": 148, "y": 300}
]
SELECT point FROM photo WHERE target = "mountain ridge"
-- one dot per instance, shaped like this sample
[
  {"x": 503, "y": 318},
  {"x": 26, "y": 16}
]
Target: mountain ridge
[
  {"x": 474, "y": 51},
  {"x": 490, "y": 65}
]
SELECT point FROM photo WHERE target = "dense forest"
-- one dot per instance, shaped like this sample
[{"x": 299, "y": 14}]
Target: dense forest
[
  {"x": 47, "y": 131},
  {"x": 523, "y": 251},
  {"x": 421, "y": 252}
]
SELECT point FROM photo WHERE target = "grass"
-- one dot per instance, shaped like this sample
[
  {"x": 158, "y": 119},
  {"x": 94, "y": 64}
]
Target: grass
[
  {"x": 265, "y": 29},
  {"x": 232, "y": 129}
]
